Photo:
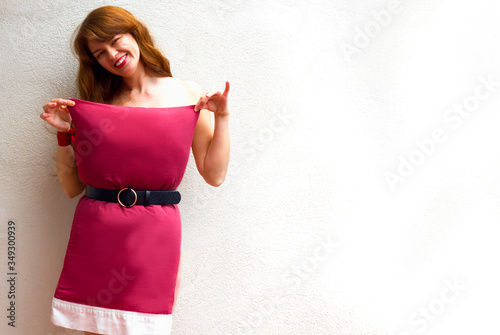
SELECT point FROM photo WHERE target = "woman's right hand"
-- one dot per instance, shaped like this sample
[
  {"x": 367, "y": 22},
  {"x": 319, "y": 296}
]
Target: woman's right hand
[{"x": 57, "y": 115}]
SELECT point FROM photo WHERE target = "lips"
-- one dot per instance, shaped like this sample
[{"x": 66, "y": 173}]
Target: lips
[{"x": 121, "y": 61}]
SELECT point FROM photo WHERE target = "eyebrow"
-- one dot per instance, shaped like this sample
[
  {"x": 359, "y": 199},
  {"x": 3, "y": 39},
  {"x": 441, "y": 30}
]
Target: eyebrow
[{"x": 112, "y": 38}]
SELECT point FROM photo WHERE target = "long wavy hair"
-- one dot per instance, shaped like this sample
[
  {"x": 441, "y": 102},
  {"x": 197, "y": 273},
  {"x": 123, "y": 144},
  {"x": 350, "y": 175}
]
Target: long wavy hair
[{"x": 94, "y": 82}]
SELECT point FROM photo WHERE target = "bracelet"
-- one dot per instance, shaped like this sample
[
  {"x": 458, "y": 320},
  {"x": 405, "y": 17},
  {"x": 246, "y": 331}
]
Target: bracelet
[{"x": 65, "y": 138}]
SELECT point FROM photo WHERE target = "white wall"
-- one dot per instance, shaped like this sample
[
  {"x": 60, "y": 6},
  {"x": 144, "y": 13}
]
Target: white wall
[{"x": 306, "y": 236}]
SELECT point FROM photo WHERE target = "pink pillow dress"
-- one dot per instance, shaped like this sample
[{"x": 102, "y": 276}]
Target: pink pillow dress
[{"x": 121, "y": 265}]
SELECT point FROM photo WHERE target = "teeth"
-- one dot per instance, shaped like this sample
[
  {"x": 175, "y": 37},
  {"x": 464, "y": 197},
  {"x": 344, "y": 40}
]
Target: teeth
[{"x": 120, "y": 61}]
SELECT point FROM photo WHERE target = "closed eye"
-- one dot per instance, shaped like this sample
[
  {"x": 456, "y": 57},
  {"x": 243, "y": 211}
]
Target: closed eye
[{"x": 112, "y": 43}]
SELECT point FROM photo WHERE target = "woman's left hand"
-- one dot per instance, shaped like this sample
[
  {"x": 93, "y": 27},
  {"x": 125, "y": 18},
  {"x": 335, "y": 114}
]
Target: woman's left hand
[{"x": 215, "y": 102}]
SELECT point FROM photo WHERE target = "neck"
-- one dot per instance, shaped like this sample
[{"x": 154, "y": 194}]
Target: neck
[{"x": 139, "y": 82}]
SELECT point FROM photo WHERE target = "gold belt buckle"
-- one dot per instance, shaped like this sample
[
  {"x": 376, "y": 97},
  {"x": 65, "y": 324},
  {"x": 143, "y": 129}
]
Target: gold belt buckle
[{"x": 127, "y": 188}]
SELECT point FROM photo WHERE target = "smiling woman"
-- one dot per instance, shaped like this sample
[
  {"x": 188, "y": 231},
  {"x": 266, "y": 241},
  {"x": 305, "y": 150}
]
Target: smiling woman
[
  {"x": 121, "y": 270},
  {"x": 116, "y": 54},
  {"x": 104, "y": 37}
]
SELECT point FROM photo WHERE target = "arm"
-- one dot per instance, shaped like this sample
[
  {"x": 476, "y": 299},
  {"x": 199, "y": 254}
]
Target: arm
[
  {"x": 56, "y": 114},
  {"x": 67, "y": 173},
  {"x": 211, "y": 145}
]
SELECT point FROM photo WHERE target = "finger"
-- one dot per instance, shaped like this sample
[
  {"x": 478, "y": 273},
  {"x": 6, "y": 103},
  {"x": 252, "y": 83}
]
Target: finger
[
  {"x": 63, "y": 113},
  {"x": 202, "y": 104},
  {"x": 47, "y": 117},
  {"x": 226, "y": 89},
  {"x": 199, "y": 104},
  {"x": 216, "y": 93},
  {"x": 63, "y": 102},
  {"x": 204, "y": 99},
  {"x": 53, "y": 111},
  {"x": 49, "y": 106},
  {"x": 59, "y": 103},
  {"x": 212, "y": 94}
]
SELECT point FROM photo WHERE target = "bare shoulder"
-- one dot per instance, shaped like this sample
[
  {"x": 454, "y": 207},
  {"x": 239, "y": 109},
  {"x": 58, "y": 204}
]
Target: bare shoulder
[
  {"x": 176, "y": 91},
  {"x": 190, "y": 84},
  {"x": 193, "y": 88}
]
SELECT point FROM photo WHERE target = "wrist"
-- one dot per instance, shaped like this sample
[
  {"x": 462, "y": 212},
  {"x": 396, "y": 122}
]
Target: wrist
[
  {"x": 221, "y": 120},
  {"x": 65, "y": 138},
  {"x": 223, "y": 115}
]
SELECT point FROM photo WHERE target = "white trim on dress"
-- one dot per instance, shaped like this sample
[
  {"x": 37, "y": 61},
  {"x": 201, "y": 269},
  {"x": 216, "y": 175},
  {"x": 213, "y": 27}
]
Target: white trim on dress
[{"x": 108, "y": 321}]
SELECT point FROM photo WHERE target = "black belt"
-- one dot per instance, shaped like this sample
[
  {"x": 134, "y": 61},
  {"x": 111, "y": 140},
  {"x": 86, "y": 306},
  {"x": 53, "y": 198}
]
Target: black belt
[{"x": 128, "y": 197}]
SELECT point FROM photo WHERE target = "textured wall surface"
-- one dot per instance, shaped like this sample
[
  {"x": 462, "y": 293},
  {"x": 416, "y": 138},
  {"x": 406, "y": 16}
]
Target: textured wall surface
[{"x": 363, "y": 192}]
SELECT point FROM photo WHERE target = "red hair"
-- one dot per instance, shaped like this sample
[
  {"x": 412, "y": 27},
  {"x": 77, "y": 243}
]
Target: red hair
[{"x": 101, "y": 25}]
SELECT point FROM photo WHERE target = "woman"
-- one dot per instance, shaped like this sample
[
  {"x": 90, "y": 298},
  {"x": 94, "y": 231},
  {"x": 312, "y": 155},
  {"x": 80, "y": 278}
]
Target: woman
[{"x": 120, "y": 66}]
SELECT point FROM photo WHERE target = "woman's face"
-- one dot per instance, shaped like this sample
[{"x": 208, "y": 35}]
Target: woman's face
[{"x": 119, "y": 56}]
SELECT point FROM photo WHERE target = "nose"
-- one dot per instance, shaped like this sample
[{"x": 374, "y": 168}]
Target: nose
[{"x": 113, "y": 53}]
